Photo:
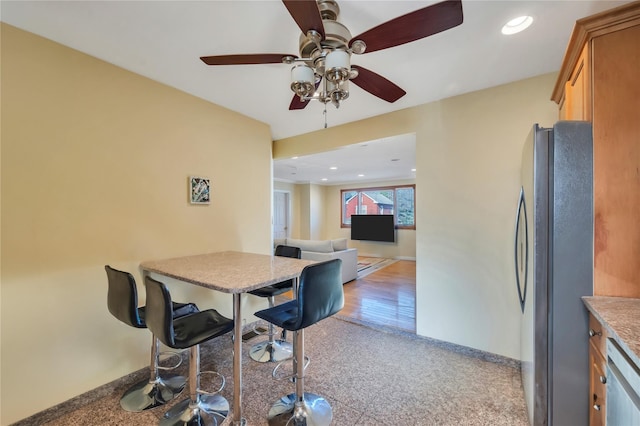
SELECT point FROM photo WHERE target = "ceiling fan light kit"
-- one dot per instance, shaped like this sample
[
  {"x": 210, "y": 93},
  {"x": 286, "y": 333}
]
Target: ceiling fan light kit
[
  {"x": 323, "y": 69},
  {"x": 332, "y": 70}
]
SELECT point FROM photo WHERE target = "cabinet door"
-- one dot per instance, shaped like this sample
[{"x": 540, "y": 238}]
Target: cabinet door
[
  {"x": 597, "y": 368},
  {"x": 597, "y": 388}
]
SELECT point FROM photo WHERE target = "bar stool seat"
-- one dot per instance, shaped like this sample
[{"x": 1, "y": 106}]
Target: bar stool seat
[
  {"x": 275, "y": 350},
  {"x": 201, "y": 408},
  {"x": 122, "y": 302},
  {"x": 319, "y": 295}
]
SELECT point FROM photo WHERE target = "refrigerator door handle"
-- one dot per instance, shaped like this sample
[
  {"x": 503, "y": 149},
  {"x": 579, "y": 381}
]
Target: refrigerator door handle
[{"x": 521, "y": 249}]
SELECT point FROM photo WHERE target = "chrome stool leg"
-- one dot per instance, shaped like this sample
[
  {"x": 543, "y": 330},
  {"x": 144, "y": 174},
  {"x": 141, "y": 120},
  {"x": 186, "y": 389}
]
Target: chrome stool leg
[
  {"x": 201, "y": 408},
  {"x": 300, "y": 408},
  {"x": 272, "y": 350},
  {"x": 155, "y": 391}
]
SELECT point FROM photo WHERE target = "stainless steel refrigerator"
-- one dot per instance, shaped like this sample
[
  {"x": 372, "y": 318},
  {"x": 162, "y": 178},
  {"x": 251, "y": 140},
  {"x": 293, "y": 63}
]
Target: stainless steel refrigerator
[{"x": 554, "y": 269}]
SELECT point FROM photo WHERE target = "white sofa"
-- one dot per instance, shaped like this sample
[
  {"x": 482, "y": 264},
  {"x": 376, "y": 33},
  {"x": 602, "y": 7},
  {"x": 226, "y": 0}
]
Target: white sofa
[{"x": 322, "y": 250}]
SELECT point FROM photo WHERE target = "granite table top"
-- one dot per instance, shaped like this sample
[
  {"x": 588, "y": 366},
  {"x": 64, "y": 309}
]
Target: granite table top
[
  {"x": 621, "y": 318},
  {"x": 229, "y": 271}
]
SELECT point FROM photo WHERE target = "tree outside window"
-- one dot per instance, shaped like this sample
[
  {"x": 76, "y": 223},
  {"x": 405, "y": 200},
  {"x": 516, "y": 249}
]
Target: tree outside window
[{"x": 397, "y": 200}]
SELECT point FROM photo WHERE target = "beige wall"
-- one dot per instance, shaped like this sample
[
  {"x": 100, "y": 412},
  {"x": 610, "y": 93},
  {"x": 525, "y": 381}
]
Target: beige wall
[
  {"x": 317, "y": 208},
  {"x": 294, "y": 200},
  {"x": 95, "y": 162},
  {"x": 305, "y": 211},
  {"x": 468, "y": 152}
]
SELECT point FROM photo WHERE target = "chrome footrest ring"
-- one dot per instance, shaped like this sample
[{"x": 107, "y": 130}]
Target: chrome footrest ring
[
  {"x": 205, "y": 392},
  {"x": 307, "y": 361},
  {"x": 170, "y": 354}
]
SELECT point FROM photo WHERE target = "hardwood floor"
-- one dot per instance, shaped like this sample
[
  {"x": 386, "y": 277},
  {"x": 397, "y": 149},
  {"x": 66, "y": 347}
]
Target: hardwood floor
[{"x": 385, "y": 297}]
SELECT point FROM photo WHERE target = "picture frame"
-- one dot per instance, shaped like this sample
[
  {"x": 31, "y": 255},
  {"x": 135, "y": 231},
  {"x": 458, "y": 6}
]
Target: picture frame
[{"x": 199, "y": 190}]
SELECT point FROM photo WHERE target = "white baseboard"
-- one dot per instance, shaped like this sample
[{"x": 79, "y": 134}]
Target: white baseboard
[
  {"x": 379, "y": 255},
  {"x": 413, "y": 259}
]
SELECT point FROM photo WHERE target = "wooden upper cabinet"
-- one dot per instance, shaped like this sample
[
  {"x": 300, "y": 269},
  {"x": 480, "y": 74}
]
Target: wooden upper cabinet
[
  {"x": 600, "y": 82},
  {"x": 616, "y": 132},
  {"x": 577, "y": 97},
  {"x": 574, "y": 84}
]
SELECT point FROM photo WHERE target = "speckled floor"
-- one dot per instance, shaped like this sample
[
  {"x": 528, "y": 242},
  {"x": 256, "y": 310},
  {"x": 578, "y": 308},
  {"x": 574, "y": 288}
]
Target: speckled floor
[{"x": 369, "y": 375}]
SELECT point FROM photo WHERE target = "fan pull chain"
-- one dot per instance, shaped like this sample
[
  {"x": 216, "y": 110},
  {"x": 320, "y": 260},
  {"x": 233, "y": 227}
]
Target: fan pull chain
[{"x": 325, "y": 115}]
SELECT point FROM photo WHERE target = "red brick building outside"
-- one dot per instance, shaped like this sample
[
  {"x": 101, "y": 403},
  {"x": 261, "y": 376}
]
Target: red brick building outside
[{"x": 371, "y": 203}]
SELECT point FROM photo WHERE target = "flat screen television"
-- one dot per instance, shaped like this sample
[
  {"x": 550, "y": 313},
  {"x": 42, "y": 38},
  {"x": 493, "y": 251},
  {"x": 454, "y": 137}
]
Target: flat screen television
[{"x": 371, "y": 227}]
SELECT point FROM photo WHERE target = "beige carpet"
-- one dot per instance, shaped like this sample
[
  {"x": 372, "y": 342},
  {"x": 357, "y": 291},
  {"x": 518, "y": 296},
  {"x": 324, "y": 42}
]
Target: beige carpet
[{"x": 370, "y": 376}]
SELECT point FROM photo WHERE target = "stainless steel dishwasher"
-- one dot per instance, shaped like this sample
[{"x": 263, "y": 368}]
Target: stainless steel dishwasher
[{"x": 623, "y": 388}]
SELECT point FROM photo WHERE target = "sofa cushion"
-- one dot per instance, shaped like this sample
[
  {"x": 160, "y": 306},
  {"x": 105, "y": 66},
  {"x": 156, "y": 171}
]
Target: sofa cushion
[
  {"x": 318, "y": 246},
  {"x": 339, "y": 244},
  {"x": 349, "y": 259}
]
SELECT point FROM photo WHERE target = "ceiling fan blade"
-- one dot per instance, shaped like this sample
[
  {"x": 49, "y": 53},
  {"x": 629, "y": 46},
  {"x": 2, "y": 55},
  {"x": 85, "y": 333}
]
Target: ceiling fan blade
[
  {"x": 306, "y": 14},
  {"x": 413, "y": 26},
  {"x": 296, "y": 103},
  {"x": 377, "y": 85},
  {"x": 249, "y": 59}
]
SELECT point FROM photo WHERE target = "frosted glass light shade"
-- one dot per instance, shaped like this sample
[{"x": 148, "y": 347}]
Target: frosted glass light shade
[
  {"x": 302, "y": 73},
  {"x": 337, "y": 65},
  {"x": 337, "y": 59},
  {"x": 302, "y": 80}
]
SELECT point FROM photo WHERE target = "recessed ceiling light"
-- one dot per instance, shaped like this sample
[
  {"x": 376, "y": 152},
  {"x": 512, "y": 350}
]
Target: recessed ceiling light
[
  {"x": 294, "y": 158},
  {"x": 517, "y": 24},
  {"x": 324, "y": 179},
  {"x": 333, "y": 168},
  {"x": 360, "y": 175},
  {"x": 413, "y": 170}
]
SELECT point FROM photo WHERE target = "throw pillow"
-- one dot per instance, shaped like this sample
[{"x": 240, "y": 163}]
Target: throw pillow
[{"x": 339, "y": 244}]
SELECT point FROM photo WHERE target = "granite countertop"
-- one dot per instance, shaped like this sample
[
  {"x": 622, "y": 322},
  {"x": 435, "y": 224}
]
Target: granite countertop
[
  {"x": 229, "y": 271},
  {"x": 621, "y": 317}
]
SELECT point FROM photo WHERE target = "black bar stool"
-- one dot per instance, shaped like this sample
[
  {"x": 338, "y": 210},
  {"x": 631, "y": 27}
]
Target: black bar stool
[
  {"x": 274, "y": 350},
  {"x": 122, "y": 301},
  {"x": 319, "y": 295},
  {"x": 201, "y": 408}
]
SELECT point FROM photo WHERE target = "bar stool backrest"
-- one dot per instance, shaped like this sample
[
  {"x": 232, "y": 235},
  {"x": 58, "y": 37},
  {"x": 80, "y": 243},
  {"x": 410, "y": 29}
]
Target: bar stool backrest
[
  {"x": 320, "y": 293},
  {"x": 122, "y": 297},
  {"x": 284, "y": 251},
  {"x": 158, "y": 311},
  {"x": 288, "y": 251}
]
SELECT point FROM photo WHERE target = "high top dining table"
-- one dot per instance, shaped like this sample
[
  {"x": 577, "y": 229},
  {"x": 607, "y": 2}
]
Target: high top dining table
[{"x": 236, "y": 273}]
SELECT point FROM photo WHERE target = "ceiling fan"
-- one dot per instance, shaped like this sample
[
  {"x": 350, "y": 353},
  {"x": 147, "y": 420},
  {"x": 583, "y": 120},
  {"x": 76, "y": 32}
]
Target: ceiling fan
[{"x": 322, "y": 70}]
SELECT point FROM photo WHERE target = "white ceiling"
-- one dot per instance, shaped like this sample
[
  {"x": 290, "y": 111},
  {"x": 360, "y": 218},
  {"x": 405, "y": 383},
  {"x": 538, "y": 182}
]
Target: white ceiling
[
  {"x": 163, "y": 40},
  {"x": 379, "y": 160}
]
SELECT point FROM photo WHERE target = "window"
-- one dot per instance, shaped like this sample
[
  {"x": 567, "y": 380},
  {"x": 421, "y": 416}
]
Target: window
[{"x": 396, "y": 200}]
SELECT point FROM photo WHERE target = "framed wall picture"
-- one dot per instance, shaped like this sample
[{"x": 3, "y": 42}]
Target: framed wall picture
[{"x": 199, "y": 190}]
